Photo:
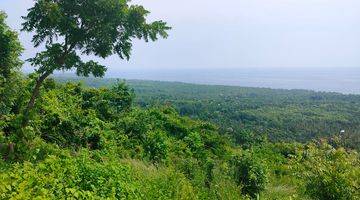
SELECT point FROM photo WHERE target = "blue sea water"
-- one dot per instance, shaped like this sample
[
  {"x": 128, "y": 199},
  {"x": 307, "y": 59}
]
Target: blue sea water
[{"x": 342, "y": 80}]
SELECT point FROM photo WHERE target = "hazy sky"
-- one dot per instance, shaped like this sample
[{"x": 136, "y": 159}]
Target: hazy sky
[{"x": 239, "y": 33}]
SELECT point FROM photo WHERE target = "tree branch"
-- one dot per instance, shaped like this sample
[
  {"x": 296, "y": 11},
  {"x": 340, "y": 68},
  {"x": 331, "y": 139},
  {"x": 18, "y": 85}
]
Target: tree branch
[{"x": 35, "y": 94}]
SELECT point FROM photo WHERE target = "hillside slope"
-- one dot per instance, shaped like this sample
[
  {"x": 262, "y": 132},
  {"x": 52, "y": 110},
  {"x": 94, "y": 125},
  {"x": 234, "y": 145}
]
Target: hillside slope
[{"x": 281, "y": 115}]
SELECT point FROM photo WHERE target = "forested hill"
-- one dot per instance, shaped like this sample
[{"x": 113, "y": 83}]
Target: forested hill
[
  {"x": 285, "y": 115},
  {"x": 106, "y": 139}
]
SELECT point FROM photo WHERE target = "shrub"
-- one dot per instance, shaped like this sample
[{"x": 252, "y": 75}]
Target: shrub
[
  {"x": 156, "y": 146},
  {"x": 71, "y": 177},
  {"x": 250, "y": 174},
  {"x": 330, "y": 173},
  {"x": 108, "y": 103}
]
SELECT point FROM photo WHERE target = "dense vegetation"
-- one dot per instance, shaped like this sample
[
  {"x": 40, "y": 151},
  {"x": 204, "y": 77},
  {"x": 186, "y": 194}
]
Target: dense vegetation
[
  {"x": 90, "y": 143},
  {"x": 279, "y": 115},
  {"x": 79, "y": 142},
  {"x": 70, "y": 29}
]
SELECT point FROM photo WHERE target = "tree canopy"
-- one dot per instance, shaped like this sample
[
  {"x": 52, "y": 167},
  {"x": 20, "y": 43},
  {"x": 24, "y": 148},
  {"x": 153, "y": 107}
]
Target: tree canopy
[
  {"x": 70, "y": 29},
  {"x": 90, "y": 27},
  {"x": 10, "y": 49},
  {"x": 10, "y": 63}
]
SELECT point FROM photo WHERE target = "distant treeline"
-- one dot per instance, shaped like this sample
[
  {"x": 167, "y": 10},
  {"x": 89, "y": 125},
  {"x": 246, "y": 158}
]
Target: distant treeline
[{"x": 279, "y": 115}]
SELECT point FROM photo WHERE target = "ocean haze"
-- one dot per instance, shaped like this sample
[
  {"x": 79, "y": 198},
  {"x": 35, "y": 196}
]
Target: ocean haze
[
  {"x": 255, "y": 33},
  {"x": 278, "y": 40},
  {"x": 342, "y": 80}
]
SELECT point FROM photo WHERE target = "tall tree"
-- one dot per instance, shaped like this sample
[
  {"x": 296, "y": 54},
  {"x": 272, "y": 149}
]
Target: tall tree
[
  {"x": 70, "y": 28},
  {"x": 10, "y": 51}
]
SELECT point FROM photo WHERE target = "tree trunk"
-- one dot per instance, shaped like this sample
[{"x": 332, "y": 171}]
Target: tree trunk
[
  {"x": 34, "y": 96},
  {"x": 39, "y": 82}
]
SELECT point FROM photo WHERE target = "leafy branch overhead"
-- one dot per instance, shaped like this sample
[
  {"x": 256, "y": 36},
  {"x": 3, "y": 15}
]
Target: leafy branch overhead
[
  {"x": 71, "y": 28},
  {"x": 91, "y": 27}
]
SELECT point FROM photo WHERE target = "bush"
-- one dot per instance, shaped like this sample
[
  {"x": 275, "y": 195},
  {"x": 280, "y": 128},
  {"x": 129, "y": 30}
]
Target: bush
[
  {"x": 156, "y": 146},
  {"x": 330, "y": 173},
  {"x": 108, "y": 103},
  {"x": 63, "y": 121},
  {"x": 11, "y": 82},
  {"x": 250, "y": 174},
  {"x": 60, "y": 177}
]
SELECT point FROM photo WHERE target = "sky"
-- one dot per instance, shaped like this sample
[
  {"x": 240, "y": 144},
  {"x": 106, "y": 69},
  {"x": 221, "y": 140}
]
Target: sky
[{"x": 213, "y": 34}]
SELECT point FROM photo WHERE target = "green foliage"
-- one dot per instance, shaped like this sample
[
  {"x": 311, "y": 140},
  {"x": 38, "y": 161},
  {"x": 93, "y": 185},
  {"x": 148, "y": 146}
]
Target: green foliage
[
  {"x": 159, "y": 135},
  {"x": 209, "y": 171},
  {"x": 12, "y": 92},
  {"x": 248, "y": 115},
  {"x": 72, "y": 116},
  {"x": 92, "y": 27},
  {"x": 97, "y": 27},
  {"x": 247, "y": 138},
  {"x": 108, "y": 103},
  {"x": 250, "y": 173},
  {"x": 111, "y": 149},
  {"x": 330, "y": 173},
  {"x": 63, "y": 121},
  {"x": 154, "y": 129},
  {"x": 92, "y": 143},
  {"x": 104, "y": 124},
  {"x": 156, "y": 146},
  {"x": 10, "y": 50},
  {"x": 80, "y": 138},
  {"x": 81, "y": 177}
]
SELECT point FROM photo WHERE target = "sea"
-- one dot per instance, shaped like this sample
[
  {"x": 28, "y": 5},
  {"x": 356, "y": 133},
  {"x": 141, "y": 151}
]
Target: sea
[{"x": 340, "y": 80}]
